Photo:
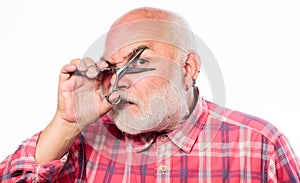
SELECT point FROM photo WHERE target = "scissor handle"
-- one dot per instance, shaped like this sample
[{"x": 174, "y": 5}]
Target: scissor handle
[
  {"x": 113, "y": 97},
  {"x": 83, "y": 73}
]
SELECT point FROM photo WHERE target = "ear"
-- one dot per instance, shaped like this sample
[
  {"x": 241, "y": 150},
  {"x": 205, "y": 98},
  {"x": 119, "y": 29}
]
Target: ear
[{"x": 192, "y": 67}]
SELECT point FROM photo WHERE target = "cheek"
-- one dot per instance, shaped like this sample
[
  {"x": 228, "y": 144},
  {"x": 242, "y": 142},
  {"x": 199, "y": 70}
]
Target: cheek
[
  {"x": 152, "y": 86},
  {"x": 143, "y": 85},
  {"x": 168, "y": 74},
  {"x": 171, "y": 71}
]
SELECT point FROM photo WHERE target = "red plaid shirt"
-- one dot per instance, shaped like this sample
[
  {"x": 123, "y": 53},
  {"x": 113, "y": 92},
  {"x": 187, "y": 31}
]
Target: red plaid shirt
[{"x": 213, "y": 145}]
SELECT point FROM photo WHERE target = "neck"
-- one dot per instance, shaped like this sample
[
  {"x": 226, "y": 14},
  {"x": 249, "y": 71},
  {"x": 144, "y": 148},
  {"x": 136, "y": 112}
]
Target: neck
[{"x": 192, "y": 98}]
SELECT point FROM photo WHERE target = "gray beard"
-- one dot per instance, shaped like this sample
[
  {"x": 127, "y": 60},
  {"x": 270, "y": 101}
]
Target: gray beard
[{"x": 166, "y": 110}]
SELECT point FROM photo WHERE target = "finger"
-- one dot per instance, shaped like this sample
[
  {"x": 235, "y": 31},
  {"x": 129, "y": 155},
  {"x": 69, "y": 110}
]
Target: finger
[
  {"x": 101, "y": 64},
  {"x": 75, "y": 61},
  {"x": 90, "y": 67},
  {"x": 103, "y": 106},
  {"x": 81, "y": 65},
  {"x": 106, "y": 80},
  {"x": 66, "y": 71}
]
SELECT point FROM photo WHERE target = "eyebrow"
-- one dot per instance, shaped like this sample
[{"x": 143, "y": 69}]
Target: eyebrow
[
  {"x": 129, "y": 56},
  {"x": 135, "y": 51}
]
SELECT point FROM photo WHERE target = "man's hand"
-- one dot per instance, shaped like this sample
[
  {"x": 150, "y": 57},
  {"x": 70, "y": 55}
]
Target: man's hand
[
  {"x": 79, "y": 104},
  {"x": 79, "y": 99}
]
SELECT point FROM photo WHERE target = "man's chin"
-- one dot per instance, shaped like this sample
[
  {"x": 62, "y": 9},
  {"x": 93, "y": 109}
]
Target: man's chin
[
  {"x": 126, "y": 129},
  {"x": 135, "y": 126}
]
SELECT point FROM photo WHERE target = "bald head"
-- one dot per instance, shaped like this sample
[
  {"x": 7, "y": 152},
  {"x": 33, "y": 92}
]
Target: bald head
[
  {"x": 147, "y": 13},
  {"x": 149, "y": 24}
]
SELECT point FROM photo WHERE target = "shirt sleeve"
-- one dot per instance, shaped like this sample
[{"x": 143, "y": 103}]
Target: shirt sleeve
[
  {"x": 284, "y": 165},
  {"x": 22, "y": 167}
]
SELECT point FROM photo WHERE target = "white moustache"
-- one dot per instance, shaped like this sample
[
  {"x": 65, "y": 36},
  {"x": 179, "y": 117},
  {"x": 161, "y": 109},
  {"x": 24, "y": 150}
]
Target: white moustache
[{"x": 125, "y": 98}]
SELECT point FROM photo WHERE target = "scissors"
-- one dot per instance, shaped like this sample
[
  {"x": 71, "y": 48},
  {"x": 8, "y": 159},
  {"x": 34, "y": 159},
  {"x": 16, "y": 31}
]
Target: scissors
[{"x": 113, "y": 96}]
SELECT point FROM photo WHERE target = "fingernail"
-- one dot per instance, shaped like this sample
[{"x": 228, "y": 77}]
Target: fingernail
[{"x": 102, "y": 64}]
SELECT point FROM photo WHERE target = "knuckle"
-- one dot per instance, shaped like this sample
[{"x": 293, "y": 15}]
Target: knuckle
[
  {"x": 75, "y": 61},
  {"x": 88, "y": 60}
]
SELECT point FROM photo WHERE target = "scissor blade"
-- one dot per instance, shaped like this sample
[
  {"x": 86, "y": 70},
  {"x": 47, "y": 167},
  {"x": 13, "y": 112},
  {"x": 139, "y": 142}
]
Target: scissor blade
[
  {"x": 138, "y": 70},
  {"x": 135, "y": 58}
]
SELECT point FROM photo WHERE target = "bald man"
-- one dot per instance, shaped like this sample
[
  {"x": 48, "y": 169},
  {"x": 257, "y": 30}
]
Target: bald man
[{"x": 148, "y": 124}]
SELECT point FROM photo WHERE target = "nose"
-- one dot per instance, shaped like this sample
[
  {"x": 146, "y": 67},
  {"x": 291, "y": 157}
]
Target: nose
[{"x": 124, "y": 82}]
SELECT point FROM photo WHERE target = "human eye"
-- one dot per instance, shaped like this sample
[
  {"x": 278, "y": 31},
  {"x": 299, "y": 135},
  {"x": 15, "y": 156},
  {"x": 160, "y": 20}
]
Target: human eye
[{"x": 141, "y": 61}]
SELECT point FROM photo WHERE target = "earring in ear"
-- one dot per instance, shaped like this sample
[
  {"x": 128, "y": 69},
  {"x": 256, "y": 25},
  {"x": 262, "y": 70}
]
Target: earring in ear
[
  {"x": 194, "y": 82},
  {"x": 186, "y": 87}
]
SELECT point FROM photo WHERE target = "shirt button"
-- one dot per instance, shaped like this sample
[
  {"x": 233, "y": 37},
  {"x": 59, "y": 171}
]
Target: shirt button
[
  {"x": 163, "y": 138},
  {"x": 163, "y": 168}
]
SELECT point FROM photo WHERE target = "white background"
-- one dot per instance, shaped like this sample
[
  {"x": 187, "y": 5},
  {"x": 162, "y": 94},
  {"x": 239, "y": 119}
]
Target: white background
[{"x": 256, "y": 44}]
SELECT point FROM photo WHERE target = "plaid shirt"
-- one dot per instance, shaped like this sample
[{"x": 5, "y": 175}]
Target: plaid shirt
[{"x": 213, "y": 145}]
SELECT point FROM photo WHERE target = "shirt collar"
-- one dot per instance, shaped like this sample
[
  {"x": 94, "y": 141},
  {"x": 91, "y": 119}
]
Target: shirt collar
[
  {"x": 187, "y": 134},
  {"x": 183, "y": 137}
]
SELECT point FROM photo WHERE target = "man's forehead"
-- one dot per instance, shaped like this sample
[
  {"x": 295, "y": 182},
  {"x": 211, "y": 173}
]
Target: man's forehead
[{"x": 148, "y": 30}]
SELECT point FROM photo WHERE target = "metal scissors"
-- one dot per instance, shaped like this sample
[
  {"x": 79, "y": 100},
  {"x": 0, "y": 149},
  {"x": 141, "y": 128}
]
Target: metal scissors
[{"x": 113, "y": 96}]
